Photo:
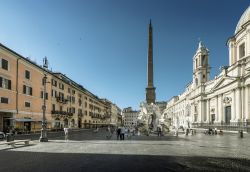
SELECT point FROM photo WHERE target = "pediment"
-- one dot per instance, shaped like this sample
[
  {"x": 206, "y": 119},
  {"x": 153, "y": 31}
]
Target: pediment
[{"x": 223, "y": 82}]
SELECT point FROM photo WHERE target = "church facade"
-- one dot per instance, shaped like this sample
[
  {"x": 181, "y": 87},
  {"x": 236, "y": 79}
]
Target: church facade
[{"x": 223, "y": 102}]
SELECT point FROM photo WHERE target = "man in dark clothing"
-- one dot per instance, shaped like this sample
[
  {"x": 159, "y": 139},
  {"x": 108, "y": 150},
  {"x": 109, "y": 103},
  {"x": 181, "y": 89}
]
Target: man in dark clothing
[{"x": 118, "y": 132}]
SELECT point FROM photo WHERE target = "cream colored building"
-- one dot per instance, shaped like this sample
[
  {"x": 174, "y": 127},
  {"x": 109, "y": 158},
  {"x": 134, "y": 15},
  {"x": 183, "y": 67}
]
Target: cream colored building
[
  {"x": 130, "y": 117},
  {"x": 115, "y": 119},
  {"x": 223, "y": 102}
]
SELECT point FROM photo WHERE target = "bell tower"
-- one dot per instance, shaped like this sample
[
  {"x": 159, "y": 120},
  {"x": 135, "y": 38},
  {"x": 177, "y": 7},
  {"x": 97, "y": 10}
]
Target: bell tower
[{"x": 201, "y": 68}]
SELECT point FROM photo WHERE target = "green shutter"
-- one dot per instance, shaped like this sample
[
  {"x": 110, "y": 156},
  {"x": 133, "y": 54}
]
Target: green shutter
[
  {"x": 9, "y": 84},
  {"x": 24, "y": 89},
  {"x": 1, "y": 82}
]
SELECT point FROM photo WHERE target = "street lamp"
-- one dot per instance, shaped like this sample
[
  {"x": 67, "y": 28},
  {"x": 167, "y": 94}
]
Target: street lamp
[{"x": 43, "y": 137}]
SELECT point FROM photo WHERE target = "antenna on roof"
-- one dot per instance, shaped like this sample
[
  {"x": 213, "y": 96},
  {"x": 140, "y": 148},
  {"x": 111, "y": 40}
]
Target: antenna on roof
[{"x": 45, "y": 62}]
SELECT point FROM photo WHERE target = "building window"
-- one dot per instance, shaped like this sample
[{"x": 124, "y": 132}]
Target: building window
[
  {"x": 27, "y": 74},
  {"x": 61, "y": 86},
  {"x": 46, "y": 95},
  {"x": 203, "y": 60},
  {"x": 5, "y": 83},
  {"x": 53, "y": 107},
  {"x": 195, "y": 109},
  {"x": 73, "y": 91},
  {"x": 80, "y": 102},
  {"x": 73, "y": 99},
  {"x": 27, "y": 104},
  {"x": 27, "y": 90},
  {"x": 68, "y": 90},
  {"x": 5, "y": 64},
  {"x": 54, "y": 82},
  {"x": 4, "y": 100},
  {"x": 242, "y": 50},
  {"x": 73, "y": 110},
  {"x": 61, "y": 95}
]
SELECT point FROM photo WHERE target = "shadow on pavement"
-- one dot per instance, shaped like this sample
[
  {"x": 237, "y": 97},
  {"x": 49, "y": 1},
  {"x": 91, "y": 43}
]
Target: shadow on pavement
[{"x": 16, "y": 161}]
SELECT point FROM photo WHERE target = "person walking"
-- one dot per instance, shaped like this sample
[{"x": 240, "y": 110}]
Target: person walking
[
  {"x": 159, "y": 129},
  {"x": 109, "y": 134},
  {"x": 122, "y": 133},
  {"x": 66, "y": 132},
  {"x": 118, "y": 133}
]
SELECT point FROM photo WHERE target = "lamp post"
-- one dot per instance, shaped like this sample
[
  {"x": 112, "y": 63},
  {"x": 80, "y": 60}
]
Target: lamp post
[{"x": 43, "y": 137}]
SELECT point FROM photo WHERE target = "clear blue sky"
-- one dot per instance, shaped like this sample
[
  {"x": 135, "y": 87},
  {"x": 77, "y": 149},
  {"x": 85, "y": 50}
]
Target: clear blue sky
[{"x": 102, "y": 44}]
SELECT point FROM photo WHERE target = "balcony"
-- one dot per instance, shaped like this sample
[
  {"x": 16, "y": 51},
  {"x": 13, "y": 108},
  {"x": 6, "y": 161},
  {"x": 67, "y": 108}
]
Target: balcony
[
  {"x": 62, "y": 113},
  {"x": 61, "y": 100}
]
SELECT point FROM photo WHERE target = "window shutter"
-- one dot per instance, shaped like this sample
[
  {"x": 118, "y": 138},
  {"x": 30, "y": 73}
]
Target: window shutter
[
  {"x": 41, "y": 94},
  {"x": 24, "y": 89},
  {"x": 1, "y": 82},
  {"x": 9, "y": 84}
]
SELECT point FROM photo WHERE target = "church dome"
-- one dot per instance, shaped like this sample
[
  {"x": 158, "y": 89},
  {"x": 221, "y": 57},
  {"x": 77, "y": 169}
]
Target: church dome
[{"x": 243, "y": 19}]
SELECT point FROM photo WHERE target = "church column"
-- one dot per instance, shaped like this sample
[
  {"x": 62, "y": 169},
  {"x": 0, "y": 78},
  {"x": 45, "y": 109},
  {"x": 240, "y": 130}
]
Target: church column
[
  {"x": 204, "y": 114},
  {"x": 247, "y": 103},
  {"x": 233, "y": 107},
  {"x": 243, "y": 91},
  {"x": 204, "y": 111},
  {"x": 208, "y": 111},
  {"x": 200, "y": 115},
  {"x": 222, "y": 114},
  {"x": 219, "y": 108},
  {"x": 216, "y": 110},
  {"x": 238, "y": 104}
]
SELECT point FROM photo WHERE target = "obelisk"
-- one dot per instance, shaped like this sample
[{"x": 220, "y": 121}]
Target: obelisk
[{"x": 150, "y": 90}]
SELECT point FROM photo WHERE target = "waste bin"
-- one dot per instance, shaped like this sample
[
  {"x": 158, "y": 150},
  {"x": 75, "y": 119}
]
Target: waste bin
[{"x": 9, "y": 137}]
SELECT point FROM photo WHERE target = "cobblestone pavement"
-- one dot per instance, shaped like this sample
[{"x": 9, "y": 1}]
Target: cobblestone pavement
[{"x": 88, "y": 151}]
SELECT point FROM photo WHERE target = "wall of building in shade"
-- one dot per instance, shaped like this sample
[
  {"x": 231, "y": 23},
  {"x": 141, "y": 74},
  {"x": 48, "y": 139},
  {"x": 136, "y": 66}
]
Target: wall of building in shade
[
  {"x": 224, "y": 101},
  {"x": 67, "y": 102}
]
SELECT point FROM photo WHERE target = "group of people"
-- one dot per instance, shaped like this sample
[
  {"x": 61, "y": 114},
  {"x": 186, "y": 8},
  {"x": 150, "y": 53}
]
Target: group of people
[
  {"x": 214, "y": 131},
  {"x": 121, "y": 132}
]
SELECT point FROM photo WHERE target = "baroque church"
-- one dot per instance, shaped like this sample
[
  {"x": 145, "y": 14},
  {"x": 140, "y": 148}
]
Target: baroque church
[{"x": 223, "y": 102}]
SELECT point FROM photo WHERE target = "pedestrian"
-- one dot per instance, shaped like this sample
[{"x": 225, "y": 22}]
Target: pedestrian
[
  {"x": 159, "y": 129},
  {"x": 109, "y": 135},
  {"x": 122, "y": 133},
  {"x": 118, "y": 133},
  {"x": 66, "y": 132}
]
